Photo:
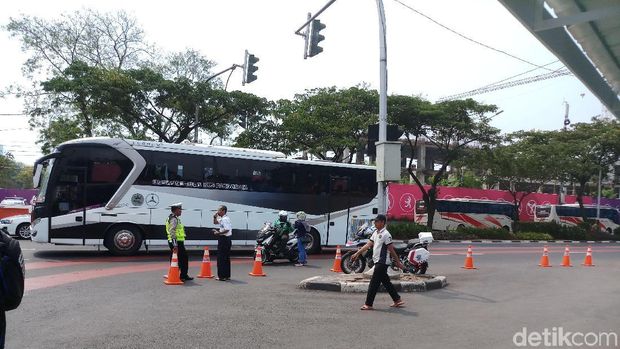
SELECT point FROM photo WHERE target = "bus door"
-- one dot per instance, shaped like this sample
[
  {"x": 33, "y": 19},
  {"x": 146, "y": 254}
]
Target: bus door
[
  {"x": 69, "y": 206},
  {"x": 339, "y": 204}
]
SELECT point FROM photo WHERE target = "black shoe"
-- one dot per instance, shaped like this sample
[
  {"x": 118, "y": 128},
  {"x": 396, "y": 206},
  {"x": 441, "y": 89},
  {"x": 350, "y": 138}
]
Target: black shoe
[
  {"x": 186, "y": 278},
  {"x": 221, "y": 279}
]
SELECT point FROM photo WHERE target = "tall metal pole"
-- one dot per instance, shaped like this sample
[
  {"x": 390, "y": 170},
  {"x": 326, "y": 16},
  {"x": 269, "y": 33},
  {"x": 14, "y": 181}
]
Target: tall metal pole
[
  {"x": 381, "y": 187},
  {"x": 233, "y": 67},
  {"x": 598, "y": 200}
]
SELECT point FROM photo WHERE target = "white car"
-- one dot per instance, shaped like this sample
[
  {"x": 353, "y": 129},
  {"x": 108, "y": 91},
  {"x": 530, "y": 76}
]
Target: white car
[
  {"x": 13, "y": 201},
  {"x": 17, "y": 225}
]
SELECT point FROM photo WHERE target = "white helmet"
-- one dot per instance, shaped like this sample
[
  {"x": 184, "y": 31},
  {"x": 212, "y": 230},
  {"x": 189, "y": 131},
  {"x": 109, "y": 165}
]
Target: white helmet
[
  {"x": 301, "y": 215},
  {"x": 283, "y": 214}
]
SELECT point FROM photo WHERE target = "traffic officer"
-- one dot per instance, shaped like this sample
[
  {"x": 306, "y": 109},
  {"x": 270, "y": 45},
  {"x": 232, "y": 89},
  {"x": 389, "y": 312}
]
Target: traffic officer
[
  {"x": 176, "y": 238},
  {"x": 224, "y": 243}
]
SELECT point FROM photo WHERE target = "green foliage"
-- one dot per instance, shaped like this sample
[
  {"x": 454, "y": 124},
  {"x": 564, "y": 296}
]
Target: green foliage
[
  {"x": 533, "y": 236},
  {"x": 584, "y": 149},
  {"x": 450, "y": 126},
  {"x": 558, "y": 231},
  {"x": 143, "y": 104},
  {"x": 608, "y": 193},
  {"x": 453, "y": 235},
  {"x": 405, "y": 230},
  {"x": 463, "y": 179},
  {"x": 14, "y": 174},
  {"x": 327, "y": 119},
  {"x": 487, "y": 233}
]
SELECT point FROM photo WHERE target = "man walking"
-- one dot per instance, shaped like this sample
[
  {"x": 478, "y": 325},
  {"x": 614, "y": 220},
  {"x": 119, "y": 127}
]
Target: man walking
[
  {"x": 224, "y": 243},
  {"x": 176, "y": 238},
  {"x": 381, "y": 243}
]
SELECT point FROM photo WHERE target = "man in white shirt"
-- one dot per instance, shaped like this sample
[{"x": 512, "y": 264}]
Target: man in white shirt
[
  {"x": 224, "y": 243},
  {"x": 381, "y": 243}
]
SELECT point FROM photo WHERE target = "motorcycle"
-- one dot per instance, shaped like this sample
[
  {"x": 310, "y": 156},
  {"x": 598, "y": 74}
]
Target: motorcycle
[
  {"x": 413, "y": 254},
  {"x": 274, "y": 248}
]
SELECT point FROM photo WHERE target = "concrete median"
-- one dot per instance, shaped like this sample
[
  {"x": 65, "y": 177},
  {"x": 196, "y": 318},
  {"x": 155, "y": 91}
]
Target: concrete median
[{"x": 357, "y": 283}]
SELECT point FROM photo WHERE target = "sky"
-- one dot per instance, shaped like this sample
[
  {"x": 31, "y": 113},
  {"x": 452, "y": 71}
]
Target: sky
[{"x": 423, "y": 58}]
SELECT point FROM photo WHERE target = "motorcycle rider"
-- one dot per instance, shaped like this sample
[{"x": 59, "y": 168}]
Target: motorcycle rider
[{"x": 283, "y": 228}]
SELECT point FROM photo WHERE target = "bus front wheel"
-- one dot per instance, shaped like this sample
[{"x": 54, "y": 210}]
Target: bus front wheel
[
  {"x": 313, "y": 242},
  {"x": 123, "y": 240}
]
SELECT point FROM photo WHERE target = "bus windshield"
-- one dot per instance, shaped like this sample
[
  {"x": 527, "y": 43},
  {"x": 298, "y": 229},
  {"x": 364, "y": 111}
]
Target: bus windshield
[{"x": 45, "y": 178}]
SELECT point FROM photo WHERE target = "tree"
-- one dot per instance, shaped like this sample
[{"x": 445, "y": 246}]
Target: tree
[
  {"x": 87, "y": 69},
  {"x": 14, "y": 174},
  {"x": 326, "y": 120},
  {"x": 524, "y": 160},
  {"x": 143, "y": 104},
  {"x": 102, "y": 40},
  {"x": 451, "y": 127},
  {"x": 585, "y": 149}
]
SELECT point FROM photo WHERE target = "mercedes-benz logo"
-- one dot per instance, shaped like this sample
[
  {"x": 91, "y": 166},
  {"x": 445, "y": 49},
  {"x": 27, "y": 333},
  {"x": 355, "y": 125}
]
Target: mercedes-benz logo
[{"x": 152, "y": 200}]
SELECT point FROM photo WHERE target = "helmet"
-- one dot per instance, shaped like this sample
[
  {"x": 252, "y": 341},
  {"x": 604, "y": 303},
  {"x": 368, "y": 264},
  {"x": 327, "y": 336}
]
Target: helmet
[
  {"x": 301, "y": 215},
  {"x": 283, "y": 216}
]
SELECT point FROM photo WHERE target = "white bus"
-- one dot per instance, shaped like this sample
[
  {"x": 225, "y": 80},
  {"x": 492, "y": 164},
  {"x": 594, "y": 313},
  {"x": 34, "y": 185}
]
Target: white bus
[
  {"x": 117, "y": 193},
  {"x": 458, "y": 213},
  {"x": 570, "y": 215}
]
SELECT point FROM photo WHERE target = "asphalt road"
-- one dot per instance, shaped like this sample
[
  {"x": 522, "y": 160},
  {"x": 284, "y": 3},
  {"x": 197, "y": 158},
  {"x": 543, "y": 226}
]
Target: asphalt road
[{"x": 78, "y": 297}]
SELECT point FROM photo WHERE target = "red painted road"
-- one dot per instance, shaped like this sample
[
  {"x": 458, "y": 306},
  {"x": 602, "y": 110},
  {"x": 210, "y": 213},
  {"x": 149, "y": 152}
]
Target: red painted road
[{"x": 38, "y": 282}]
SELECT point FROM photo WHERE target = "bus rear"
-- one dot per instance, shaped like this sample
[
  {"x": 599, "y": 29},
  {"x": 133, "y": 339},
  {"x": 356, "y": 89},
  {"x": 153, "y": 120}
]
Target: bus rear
[
  {"x": 455, "y": 214},
  {"x": 543, "y": 213},
  {"x": 572, "y": 215}
]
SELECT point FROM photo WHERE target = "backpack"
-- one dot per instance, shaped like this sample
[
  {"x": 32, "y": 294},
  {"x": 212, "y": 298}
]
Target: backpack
[{"x": 12, "y": 273}]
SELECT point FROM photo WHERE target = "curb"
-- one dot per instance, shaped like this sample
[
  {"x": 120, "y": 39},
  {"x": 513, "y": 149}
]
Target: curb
[
  {"x": 346, "y": 284},
  {"x": 526, "y": 242}
]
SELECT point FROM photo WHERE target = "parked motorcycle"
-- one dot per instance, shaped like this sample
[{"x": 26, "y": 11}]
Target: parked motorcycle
[
  {"x": 413, "y": 254},
  {"x": 347, "y": 264},
  {"x": 274, "y": 248}
]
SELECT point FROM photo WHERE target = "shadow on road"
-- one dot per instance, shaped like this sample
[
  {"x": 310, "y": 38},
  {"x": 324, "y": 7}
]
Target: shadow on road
[{"x": 447, "y": 294}]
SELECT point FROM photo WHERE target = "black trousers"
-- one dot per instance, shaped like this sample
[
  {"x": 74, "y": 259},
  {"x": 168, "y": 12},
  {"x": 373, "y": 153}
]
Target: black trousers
[
  {"x": 223, "y": 256},
  {"x": 379, "y": 277},
  {"x": 182, "y": 254}
]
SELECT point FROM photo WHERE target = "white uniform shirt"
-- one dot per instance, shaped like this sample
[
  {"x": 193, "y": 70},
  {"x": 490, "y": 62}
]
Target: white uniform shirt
[
  {"x": 380, "y": 253},
  {"x": 225, "y": 224}
]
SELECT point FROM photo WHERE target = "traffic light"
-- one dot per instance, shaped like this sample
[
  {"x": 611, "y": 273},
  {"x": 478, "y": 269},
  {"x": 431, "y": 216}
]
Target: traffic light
[
  {"x": 314, "y": 38},
  {"x": 249, "y": 68}
]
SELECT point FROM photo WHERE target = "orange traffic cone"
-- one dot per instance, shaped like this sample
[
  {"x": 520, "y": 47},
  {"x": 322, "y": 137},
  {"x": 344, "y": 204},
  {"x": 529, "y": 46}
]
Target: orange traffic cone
[
  {"x": 174, "y": 274},
  {"x": 566, "y": 258},
  {"x": 205, "y": 267},
  {"x": 544, "y": 260},
  {"x": 588, "y": 261},
  {"x": 258, "y": 264},
  {"x": 469, "y": 259},
  {"x": 336, "y": 268}
]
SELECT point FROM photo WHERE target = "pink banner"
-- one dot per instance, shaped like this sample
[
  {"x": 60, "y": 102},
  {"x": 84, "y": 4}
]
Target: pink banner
[{"x": 402, "y": 198}]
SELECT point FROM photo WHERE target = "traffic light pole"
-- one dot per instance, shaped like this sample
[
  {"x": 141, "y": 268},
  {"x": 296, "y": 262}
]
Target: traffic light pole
[
  {"x": 311, "y": 18},
  {"x": 233, "y": 67},
  {"x": 381, "y": 185}
]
